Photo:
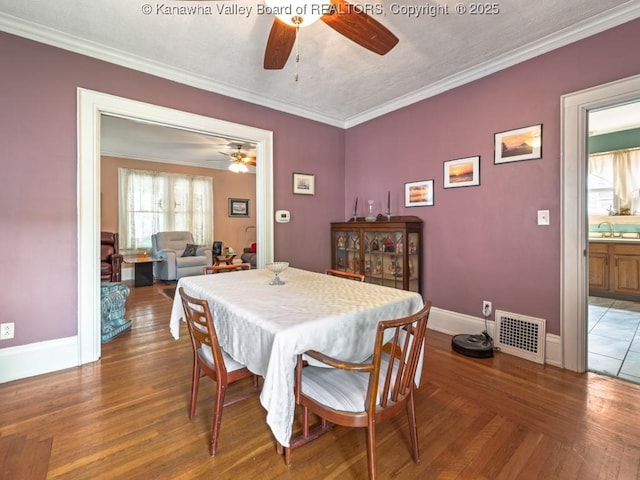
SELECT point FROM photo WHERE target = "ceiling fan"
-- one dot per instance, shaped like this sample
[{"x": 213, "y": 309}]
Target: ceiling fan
[
  {"x": 240, "y": 160},
  {"x": 345, "y": 18},
  {"x": 350, "y": 20}
]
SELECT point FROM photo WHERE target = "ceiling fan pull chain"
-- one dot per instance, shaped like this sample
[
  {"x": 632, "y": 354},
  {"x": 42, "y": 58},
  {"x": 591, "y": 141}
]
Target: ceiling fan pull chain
[{"x": 297, "y": 50}]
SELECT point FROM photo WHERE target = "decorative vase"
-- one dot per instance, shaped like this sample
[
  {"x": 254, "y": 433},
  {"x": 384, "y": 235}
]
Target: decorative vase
[{"x": 370, "y": 216}]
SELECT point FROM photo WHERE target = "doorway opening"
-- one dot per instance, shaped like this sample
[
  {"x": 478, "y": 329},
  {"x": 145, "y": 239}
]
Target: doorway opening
[
  {"x": 574, "y": 229},
  {"x": 91, "y": 106},
  {"x": 613, "y": 218}
]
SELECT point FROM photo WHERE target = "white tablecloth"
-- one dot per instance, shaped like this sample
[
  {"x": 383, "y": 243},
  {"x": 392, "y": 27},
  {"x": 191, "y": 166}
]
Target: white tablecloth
[{"x": 266, "y": 327}]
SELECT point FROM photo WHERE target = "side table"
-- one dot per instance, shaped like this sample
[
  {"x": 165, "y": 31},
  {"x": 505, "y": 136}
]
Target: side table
[
  {"x": 224, "y": 259},
  {"x": 142, "y": 270}
]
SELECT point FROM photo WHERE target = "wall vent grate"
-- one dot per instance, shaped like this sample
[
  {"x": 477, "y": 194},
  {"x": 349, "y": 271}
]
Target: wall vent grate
[{"x": 520, "y": 335}]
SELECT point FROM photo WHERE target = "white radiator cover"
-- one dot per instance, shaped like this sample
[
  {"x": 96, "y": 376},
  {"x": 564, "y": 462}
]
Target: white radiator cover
[{"x": 520, "y": 335}]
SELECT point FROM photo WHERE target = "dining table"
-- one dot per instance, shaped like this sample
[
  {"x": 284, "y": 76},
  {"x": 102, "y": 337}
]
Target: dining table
[{"x": 267, "y": 326}]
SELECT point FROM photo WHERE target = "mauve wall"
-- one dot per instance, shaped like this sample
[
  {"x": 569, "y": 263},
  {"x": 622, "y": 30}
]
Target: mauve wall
[
  {"x": 38, "y": 227},
  {"x": 482, "y": 243}
]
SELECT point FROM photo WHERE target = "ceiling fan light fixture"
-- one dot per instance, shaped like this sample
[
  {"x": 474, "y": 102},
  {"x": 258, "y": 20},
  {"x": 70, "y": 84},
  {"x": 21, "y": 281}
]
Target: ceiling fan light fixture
[
  {"x": 238, "y": 167},
  {"x": 298, "y": 13}
]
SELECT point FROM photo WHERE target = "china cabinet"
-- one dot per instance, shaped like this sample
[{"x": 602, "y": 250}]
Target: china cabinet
[{"x": 387, "y": 252}]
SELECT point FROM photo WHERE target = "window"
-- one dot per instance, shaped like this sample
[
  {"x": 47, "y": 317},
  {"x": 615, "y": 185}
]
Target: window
[
  {"x": 614, "y": 182},
  {"x": 153, "y": 202}
]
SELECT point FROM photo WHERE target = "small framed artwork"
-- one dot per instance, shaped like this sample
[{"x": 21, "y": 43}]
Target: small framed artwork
[
  {"x": 519, "y": 144},
  {"x": 418, "y": 194},
  {"x": 463, "y": 172},
  {"x": 304, "y": 184},
  {"x": 238, "y": 207}
]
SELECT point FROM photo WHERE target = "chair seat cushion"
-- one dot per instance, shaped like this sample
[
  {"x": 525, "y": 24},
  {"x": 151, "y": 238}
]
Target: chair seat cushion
[
  {"x": 339, "y": 389},
  {"x": 231, "y": 364},
  {"x": 194, "y": 261}
]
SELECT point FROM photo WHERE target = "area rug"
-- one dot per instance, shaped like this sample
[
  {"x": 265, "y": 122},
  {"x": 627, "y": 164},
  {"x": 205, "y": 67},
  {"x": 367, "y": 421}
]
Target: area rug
[{"x": 169, "y": 292}]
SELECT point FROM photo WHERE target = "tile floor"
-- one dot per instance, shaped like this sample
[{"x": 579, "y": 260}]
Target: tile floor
[{"x": 614, "y": 338}]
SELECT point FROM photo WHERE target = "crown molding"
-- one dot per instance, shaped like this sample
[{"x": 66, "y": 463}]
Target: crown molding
[
  {"x": 613, "y": 18},
  {"x": 56, "y": 38}
]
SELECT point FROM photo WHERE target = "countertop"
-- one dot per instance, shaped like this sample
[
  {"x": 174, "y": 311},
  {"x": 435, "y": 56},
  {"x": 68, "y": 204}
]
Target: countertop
[{"x": 616, "y": 238}]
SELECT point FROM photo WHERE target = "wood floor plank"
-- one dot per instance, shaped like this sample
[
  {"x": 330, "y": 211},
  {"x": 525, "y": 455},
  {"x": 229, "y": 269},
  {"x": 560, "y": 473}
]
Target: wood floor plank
[{"x": 125, "y": 416}]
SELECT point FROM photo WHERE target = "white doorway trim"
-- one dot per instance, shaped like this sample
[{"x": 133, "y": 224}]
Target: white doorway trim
[
  {"x": 91, "y": 106},
  {"x": 574, "y": 275}
]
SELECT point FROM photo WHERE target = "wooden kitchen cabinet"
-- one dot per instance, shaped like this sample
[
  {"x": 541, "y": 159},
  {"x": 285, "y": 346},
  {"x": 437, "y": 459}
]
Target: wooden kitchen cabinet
[
  {"x": 626, "y": 269},
  {"x": 598, "y": 268},
  {"x": 387, "y": 252},
  {"x": 614, "y": 270}
]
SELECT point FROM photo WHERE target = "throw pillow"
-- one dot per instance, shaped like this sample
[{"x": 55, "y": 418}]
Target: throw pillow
[
  {"x": 190, "y": 250},
  {"x": 253, "y": 248}
]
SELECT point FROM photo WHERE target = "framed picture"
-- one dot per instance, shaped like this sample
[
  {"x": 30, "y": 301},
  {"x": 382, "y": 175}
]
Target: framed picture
[
  {"x": 418, "y": 194},
  {"x": 463, "y": 172},
  {"x": 238, "y": 207},
  {"x": 520, "y": 144},
  {"x": 304, "y": 184}
]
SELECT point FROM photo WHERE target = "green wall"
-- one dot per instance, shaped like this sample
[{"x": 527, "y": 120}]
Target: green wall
[{"x": 614, "y": 141}]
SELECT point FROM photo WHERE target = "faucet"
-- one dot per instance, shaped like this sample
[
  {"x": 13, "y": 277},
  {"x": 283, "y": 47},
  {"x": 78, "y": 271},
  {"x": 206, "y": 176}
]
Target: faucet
[{"x": 611, "y": 232}]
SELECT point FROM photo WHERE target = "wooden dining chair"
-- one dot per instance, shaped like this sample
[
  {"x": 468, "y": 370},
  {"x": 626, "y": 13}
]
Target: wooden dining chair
[
  {"x": 209, "y": 359},
  {"x": 339, "y": 273},
  {"x": 210, "y": 269},
  {"x": 365, "y": 394}
]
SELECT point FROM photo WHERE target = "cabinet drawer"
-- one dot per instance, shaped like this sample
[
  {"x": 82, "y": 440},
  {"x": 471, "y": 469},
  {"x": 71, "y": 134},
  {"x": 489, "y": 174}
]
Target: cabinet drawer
[
  {"x": 598, "y": 247},
  {"x": 625, "y": 249}
]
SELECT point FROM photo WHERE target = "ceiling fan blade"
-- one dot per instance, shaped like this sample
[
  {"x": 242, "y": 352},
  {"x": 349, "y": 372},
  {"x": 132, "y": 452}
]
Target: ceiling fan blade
[
  {"x": 353, "y": 23},
  {"x": 251, "y": 161},
  {"x": 279, "y": 45}
]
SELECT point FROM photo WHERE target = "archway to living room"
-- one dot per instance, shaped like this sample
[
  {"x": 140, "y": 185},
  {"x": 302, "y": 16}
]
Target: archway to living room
[{"x": 91, "y": 106}]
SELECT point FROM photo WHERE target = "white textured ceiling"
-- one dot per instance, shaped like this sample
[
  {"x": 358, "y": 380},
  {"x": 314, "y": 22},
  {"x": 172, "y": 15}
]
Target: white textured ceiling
[
  {"x": 340, "y": 83},
  {"x": 124, "y": 138},
  {"x": 220, "y": 49}
]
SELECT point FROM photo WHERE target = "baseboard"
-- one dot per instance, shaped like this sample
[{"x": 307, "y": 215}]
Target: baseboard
[
  {"x": 37, "y": 358},
  {"x": 126, "y": 273},
  {"x": 44, "y": 357},
  {"x": 453, "y": 323}
]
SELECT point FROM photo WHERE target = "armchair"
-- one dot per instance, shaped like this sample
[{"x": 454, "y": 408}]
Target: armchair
[
  {"x": 110, "y": 258},
  {"x": 176, "y": 262},
  {"x": 249, "y": 255}
]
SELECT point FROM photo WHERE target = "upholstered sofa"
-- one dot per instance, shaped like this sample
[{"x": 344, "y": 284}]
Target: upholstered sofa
[
  {"x": 110, "y": 258},
  {"x": 180, "y": 256}
]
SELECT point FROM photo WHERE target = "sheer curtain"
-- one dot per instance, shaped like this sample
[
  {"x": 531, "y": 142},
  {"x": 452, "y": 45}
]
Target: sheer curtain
[
  {"x": 620, "y": 169},
  {"x": 151, "y": 202}
]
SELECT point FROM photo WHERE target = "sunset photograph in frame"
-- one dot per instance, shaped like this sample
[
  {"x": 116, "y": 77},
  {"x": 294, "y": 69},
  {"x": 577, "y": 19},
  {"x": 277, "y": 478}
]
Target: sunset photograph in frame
[
  {"x": 519, "y": 144},
  {"x": 463, "y": 172},
  {"x": 418, "y": 194}
]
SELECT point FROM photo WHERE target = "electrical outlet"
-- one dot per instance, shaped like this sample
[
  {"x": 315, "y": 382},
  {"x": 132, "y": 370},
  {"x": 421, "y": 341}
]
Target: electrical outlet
[
  {"x": 486, "y": 308},
  {"x": 6, "y": 331}
]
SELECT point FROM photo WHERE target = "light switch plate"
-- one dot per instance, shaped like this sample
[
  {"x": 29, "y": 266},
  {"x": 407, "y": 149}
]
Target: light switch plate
[{"x": 543, "y": 217}]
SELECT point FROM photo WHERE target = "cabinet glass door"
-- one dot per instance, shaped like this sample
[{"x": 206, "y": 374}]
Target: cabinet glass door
[
  {"x": 413, "y": 260},
  {"x": 347, "y": 248},
  {"x": 383, "y": 258}
]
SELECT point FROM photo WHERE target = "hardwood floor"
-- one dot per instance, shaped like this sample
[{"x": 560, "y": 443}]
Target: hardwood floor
[{"x": 126, "y": 417}]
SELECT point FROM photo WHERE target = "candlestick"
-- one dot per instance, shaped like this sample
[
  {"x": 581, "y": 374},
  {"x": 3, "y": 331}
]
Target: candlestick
[
  {"x": 388, "y": 212},
  {"x": 355, "y": 211}
]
